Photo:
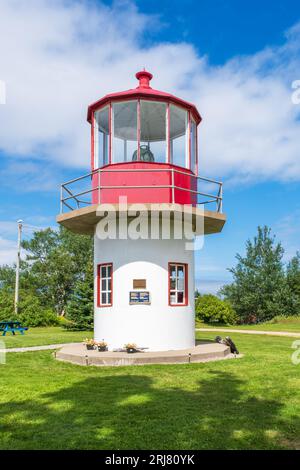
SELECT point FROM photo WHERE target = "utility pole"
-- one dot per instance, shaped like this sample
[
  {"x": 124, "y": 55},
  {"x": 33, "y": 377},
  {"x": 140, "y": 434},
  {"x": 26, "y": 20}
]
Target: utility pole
[{"x": 18, "y": 265}]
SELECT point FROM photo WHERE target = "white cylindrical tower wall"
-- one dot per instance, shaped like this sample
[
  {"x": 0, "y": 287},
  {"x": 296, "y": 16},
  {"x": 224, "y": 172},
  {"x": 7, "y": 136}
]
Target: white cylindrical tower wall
[{"x": 157, "y": 326}]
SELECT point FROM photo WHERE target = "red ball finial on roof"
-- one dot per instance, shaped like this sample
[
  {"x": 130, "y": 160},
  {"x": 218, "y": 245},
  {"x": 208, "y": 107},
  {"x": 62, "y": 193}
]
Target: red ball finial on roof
[{"x": 144, "y": 78}]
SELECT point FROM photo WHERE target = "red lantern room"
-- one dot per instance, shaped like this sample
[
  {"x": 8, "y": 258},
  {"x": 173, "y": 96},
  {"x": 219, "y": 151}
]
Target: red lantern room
[
  {"x": 145, "y": 143},
  {"x": 144, "y": 150}
]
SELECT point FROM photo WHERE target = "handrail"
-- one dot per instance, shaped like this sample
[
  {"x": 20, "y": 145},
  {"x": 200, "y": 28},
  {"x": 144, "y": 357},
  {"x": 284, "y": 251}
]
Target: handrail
[
  {"x": 71, "y": 195},
  {"x": 142, "y": 170}
]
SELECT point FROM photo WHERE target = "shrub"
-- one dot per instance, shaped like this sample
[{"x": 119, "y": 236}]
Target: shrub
[
  {"x": 40, "y": 317},
  {"x": 211, "y": 309},
  {"x": 80, "y": 308},
  {"x": 31, "y": 312},
  {"x": 284, "y": 319},
  {"x": 6, "y": 305}
]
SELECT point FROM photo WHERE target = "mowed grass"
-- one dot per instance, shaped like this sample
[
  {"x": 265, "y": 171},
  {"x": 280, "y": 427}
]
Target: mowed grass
[
  {"x": 247, "y": 403},
  {"x": 290, "y": 325},
  {"x": 43, "y": 336}
]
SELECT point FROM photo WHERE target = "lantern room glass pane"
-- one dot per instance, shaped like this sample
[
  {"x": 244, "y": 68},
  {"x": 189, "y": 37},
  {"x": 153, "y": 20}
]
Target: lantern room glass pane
[
  {"x": 180, "y": 272},
  {"x": 153, "y": 146},
  {"x": 101, "y": 137},
  {"x": 193, "y": 145},
  {"x": 108, "y": 270},
  {"x": 178, "y": 136},
  {"x": 124, "y": 131}
]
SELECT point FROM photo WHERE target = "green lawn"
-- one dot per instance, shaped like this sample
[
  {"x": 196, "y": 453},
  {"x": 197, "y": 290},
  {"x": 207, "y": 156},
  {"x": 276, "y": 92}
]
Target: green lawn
[
  {"x": 288, "y": 325},
  {"x": 40, "y": 336},
  {"x": 247, "y": 403}
]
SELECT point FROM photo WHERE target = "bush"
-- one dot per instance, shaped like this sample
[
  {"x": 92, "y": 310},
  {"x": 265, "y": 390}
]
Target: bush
[
  {"x": 80, "y": 308},
  {"x": 63, "y": 322},
  {"x": 31, "y": 312},
  {"x": 6, "y": 305},
  {"x": 38, "y": 318},
  {"x": 211, "y": 309},
  {"x": 284, "y": 319}
]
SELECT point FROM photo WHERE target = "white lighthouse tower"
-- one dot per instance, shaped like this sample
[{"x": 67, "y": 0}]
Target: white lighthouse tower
[{"x": 143, "y": 179}]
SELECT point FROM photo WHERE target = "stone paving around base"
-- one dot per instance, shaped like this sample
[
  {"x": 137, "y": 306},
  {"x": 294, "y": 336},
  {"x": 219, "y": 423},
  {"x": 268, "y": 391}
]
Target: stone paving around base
[{"x": 252, "y": 332}]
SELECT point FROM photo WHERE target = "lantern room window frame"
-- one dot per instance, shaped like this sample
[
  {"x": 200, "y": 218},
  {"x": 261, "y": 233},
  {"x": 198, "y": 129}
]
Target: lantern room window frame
[{"x": 188, "y": 136}]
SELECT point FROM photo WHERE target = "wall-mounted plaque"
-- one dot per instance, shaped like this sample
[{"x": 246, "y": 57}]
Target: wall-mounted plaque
[
  {"x": 139, "y": 297},
  {"x": 139, "y": 283}
]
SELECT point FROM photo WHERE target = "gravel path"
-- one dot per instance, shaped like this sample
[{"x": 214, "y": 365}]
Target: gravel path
[
  {"x": 36, "y": 348},
  {"x": 253, "y": 332}
]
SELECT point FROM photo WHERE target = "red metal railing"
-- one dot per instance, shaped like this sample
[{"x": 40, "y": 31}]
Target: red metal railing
[{"x": 105, "y": 185}]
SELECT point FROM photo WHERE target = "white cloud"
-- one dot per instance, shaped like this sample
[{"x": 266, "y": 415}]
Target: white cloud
[
  {"x": 210, "y": 286},
  {"x": 8, "y": 236},
  {"x": 287, "y": 230},
  {"x": 57, "y": 57}
]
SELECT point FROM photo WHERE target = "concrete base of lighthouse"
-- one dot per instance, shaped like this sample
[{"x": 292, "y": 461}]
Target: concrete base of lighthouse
[
  {"x": 156, "y": 325},
  {"x": 204, "y": 351}
]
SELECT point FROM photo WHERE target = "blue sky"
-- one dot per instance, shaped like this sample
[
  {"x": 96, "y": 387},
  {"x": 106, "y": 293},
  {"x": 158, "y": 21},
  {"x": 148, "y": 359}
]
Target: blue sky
[{"x": 236, "y": 60}]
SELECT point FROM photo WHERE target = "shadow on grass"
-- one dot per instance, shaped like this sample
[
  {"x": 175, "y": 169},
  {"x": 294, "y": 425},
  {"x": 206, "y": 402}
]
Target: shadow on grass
[{"x": 130, "y": 411}]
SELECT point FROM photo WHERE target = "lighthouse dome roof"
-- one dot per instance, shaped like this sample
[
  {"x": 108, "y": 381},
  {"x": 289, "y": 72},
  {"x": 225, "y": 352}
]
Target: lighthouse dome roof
[{"x": 144, "y": 91}]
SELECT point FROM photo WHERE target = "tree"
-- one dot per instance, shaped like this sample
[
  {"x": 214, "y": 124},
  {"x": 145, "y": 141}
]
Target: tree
[
  {"x": 197, "y": 294},
  {"x": 55, "y": 261},
  {"x": 259, "y": 291},
  {"x": 80, "y": 309},
  {"x": 7, "y": 277},
  {"x": 293, "y": 281}
]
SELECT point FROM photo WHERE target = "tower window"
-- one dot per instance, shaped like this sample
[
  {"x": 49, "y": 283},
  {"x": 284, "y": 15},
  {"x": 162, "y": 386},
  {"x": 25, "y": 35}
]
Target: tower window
[
  {"x": 105, "y": 280},
  {"x": 178, "y": 284}
]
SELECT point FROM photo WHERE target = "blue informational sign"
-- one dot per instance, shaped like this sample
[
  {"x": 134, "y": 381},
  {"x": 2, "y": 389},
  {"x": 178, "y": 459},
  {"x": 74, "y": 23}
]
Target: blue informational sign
[{"x": 139, "y": 297}]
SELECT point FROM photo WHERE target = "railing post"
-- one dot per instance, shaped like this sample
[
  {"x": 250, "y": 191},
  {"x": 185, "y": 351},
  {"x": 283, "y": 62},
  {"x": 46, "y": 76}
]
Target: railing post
[
  {"x": 173, "y": 187},
  {"x": 99, "y": 171},
  {"x": 221, "y": 198},
  {"x": 61, "y": 198}
]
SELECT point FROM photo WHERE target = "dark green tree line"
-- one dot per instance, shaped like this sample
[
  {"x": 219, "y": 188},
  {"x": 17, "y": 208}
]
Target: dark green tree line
[
  {"x": 262, "y": 288},
  {"x": 56, "y": 262}
]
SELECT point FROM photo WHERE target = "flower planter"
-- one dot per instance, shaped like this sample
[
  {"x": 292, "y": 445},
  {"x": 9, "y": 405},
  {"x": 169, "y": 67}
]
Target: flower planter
[
  {"x": 131, "y": 350},
  {"x": 102, "y": 348},
  {"x": 89, "y": 347}
]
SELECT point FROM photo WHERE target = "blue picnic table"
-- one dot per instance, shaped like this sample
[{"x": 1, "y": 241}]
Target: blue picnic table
[{"x": 12, "y": 326}]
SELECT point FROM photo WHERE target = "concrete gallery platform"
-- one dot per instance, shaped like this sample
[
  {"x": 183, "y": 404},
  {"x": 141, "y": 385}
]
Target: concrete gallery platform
[{"x": 204, "y": 351}]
